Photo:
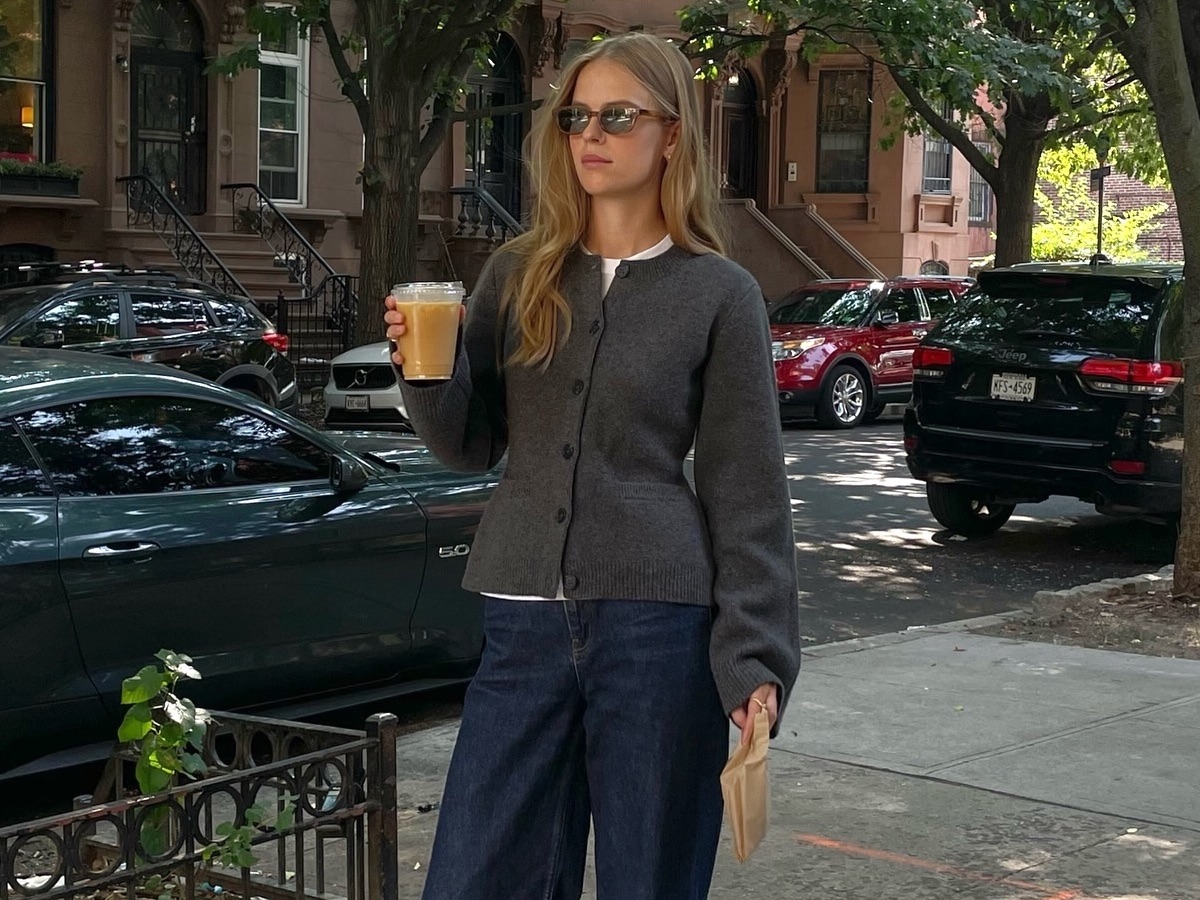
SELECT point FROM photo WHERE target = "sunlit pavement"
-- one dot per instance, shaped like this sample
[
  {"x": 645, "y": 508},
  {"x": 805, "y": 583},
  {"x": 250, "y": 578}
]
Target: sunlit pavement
[{"x": 872, "y": 559}]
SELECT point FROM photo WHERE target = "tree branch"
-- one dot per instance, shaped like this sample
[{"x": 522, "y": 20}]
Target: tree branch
[
  {"x": 960, "y": 141},
  {"x": 351, "y": 86},
  {"x": 1066, "y": 130}
]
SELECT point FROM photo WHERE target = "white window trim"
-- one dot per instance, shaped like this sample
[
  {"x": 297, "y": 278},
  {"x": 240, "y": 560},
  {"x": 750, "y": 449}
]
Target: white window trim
[{"x": 299, "y": 62}]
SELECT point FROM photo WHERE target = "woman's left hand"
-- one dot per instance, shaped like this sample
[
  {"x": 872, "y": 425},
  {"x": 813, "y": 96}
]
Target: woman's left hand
[{"x": 743, "y": 717}]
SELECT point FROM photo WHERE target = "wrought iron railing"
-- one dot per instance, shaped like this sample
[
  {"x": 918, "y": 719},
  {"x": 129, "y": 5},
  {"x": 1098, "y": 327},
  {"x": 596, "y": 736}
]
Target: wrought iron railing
[
  {"x": 340, "y": 785},
  {"x": 147, "y": 204},
  {"x": 320, "y": 325},
  {"x": 482, "y": 215},
  {"x": 255, "y": 213}
]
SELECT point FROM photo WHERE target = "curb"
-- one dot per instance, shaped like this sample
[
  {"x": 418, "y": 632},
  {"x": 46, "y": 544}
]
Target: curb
[
  {"x": 1052, "y": 604},
  {"x": 913, "y": 633}
]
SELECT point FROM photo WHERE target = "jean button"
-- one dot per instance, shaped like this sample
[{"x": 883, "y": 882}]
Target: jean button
[
  {"x": 561, "y": 516},
  {"x": 571, "y": 582}
]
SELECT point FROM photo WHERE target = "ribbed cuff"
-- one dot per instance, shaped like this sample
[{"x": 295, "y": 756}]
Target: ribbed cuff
[{"x": 737, "y": 681}]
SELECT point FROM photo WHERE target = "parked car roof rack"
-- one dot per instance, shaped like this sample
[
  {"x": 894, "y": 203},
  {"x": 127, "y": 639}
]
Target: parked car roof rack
[{"x": 90, "y": 272}]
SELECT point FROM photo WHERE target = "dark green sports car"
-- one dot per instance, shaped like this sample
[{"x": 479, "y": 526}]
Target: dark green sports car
[{"x": 141, "y": 508}]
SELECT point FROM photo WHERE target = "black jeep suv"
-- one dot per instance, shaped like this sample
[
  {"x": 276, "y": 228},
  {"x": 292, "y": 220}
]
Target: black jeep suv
[
  {"x": 1052, "y": 379},
  {"x": 149, "y": 316}
]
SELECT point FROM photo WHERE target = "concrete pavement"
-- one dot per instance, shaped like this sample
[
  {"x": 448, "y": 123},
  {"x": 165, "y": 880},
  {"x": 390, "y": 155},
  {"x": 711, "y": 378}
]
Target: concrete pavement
[{"x": 938, "y": 763}]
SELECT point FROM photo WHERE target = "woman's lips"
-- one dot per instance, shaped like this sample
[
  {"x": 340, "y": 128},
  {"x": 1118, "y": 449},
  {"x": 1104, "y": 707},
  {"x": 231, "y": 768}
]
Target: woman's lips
[{"x": 591, "y": 161}]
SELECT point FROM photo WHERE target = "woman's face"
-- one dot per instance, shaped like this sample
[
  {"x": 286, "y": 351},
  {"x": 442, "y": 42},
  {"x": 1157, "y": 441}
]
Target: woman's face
[{"x": 618, "y": 165}]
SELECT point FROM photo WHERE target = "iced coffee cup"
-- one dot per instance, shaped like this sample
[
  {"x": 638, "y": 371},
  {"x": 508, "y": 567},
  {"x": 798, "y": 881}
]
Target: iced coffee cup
[{"x": 430, "y": 339}]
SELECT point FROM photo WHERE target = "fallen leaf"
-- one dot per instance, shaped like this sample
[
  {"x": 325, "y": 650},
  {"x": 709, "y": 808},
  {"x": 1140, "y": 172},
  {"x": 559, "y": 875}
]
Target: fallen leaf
[
  {"x": 958, "y": 709},
  {"x": 960, "y": 649}
]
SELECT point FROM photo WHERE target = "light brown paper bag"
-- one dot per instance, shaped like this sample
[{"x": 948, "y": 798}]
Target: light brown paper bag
[{"x": 745, "y": 787}]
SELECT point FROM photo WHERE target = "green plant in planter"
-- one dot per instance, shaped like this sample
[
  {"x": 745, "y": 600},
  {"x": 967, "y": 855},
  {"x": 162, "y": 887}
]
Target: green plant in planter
[
  {"x": 47, "y": 169},
  {"x": 167, "y": 732}
]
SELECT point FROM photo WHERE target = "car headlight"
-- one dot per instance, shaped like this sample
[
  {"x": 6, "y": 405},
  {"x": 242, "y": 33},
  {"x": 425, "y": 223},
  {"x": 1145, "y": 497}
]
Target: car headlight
[{"x": 792, "y": 349}]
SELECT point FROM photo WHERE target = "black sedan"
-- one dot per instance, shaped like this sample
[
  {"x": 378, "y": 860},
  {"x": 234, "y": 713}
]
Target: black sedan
[{"x": 142, "y": 508}]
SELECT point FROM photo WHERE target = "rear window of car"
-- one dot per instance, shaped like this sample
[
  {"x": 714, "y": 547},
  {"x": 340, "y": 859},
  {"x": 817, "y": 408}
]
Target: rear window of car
[{"x": 1076, "y": 312}]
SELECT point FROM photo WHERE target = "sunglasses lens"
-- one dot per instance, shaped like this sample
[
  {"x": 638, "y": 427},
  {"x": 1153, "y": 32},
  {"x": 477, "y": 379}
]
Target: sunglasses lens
[
  {"x": 572, "y": 120},
  {"x": 617, "y": 120}
]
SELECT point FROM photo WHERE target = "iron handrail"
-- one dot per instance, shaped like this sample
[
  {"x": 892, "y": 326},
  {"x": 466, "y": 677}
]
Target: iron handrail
[
  {"x": 171, "y": 224},
  {"x": 291, "y": 240}
]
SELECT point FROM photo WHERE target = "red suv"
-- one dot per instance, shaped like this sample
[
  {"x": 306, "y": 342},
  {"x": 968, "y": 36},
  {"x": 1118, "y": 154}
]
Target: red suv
[{"x": 843, "y": 347}]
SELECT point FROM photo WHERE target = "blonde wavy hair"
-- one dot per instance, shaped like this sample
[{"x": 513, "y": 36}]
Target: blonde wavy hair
[{"x": 689, "y": 193}]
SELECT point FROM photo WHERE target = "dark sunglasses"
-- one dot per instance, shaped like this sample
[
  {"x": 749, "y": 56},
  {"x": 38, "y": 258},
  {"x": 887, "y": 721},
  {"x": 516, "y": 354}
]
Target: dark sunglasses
[{"x": 613, "y": 119}]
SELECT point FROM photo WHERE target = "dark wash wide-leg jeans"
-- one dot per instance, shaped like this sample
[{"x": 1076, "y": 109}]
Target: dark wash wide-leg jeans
[{"x": 599, "y": 710}]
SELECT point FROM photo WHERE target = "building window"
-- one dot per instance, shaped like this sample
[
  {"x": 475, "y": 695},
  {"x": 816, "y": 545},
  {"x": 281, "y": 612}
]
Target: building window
[
  {"x": 844, "y": 131},
  {"x": 283, "y": 117},
  {"x": 937, "y": 157},
  {"x": 24, "y": 71},
  {"x": 980, "y": 206}
]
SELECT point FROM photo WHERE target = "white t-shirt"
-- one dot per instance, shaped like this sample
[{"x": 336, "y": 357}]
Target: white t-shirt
[{"x": 608, "y": 271}]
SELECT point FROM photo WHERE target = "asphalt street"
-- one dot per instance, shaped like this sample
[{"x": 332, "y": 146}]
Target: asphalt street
[{"x": 872, "y": 559}]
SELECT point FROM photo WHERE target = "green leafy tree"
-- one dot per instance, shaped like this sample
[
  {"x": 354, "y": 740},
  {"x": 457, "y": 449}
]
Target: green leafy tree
[
  {"x": 1034, "y": 73},
  {"x": 402, "y": 64},
  {"x": 1161, "y": 41},
  {"x": 1066, "y": 225}
]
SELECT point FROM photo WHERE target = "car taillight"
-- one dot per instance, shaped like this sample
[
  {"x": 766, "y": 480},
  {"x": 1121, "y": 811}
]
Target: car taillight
[
  {"x": 1131, "y": 376},
  {"x": 279, "y": 341},
  {"x": 931, "y": 362}
]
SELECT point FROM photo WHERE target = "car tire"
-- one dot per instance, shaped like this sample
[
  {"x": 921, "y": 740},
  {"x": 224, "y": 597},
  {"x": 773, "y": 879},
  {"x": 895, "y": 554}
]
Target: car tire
[
  {"x": 844, "y": 398},
  {"x": 961, "y": 510},
  {"x": 255, "y": 389},
  {"x": 874, "y": 413}
]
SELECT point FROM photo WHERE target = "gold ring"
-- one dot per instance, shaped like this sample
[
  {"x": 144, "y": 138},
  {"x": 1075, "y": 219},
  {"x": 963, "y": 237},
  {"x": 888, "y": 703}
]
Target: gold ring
[{"x": 759, "y": 702}]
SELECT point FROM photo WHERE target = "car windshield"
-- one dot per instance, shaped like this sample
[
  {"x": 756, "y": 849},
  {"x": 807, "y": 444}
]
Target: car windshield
[
  {"x": 1084, "y": 312},
  {"x": 835, "y": 307},
  {"x": 15, "y": 302}
]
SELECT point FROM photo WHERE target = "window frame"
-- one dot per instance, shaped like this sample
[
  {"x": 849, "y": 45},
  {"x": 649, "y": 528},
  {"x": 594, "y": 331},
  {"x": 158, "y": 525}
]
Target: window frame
[
  {"x": 300, "y": 63},
  {"x": 44, "y": 92},
  {"x": 824, "y": 185},
  {"x": 980, "y": 191},
  {"x": 940, "y": 152}
]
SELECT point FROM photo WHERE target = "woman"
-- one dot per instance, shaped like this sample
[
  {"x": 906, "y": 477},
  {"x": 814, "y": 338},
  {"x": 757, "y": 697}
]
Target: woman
[{"x": 626, "y": 616}]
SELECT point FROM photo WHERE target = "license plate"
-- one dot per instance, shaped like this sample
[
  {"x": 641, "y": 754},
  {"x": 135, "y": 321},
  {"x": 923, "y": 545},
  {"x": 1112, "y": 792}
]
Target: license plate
[
  {"x": 358, "y": 402},
  {"x": 1012, "y": 386}
]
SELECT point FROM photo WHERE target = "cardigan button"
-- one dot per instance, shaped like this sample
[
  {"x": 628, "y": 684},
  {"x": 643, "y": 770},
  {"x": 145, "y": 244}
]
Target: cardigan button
[
  {"x": 561, "y": 516},
  {"x": 571, "y": 582},
  {"x": 622, "y": 270},
  {"x": 568, "y": 451},
  {"x": 577, "y": 387},
  {"x": 595, "y": 329}
]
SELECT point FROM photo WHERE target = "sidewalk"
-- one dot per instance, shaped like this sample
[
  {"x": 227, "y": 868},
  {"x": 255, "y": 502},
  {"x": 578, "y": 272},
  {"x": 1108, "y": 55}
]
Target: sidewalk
[{"x": 942, "y": 764}]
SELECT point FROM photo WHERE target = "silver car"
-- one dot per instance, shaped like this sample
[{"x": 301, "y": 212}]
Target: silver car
[{"x": 362, "y": 390}]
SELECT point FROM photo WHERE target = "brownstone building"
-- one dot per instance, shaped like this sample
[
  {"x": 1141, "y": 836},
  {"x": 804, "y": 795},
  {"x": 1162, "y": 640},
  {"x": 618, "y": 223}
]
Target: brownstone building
[{"x": 119, "y": 88}]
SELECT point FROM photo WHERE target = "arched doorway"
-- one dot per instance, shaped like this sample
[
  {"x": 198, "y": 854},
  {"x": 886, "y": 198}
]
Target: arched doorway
[
  {"x": 494, "y": 144},
  {"x": 934, "y": 267},
  {"x": 739, "y": 136},
  {"x": 169, "y": 102}
]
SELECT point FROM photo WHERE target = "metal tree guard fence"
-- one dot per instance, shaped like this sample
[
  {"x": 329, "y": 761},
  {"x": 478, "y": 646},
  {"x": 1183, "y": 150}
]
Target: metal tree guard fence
[{"x": 341, "y": 842}]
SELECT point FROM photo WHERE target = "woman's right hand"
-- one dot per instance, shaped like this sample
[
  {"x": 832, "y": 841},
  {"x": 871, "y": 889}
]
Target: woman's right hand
[{"x": 394, "y": 320}]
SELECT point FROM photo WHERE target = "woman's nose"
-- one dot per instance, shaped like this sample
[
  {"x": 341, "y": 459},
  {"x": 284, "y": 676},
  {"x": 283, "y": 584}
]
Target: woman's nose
[{"x": 593, "y": 132}]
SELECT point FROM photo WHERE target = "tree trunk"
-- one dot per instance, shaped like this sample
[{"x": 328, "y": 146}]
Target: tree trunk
[
  {"x": 1025, "y": 125},
  {"x": 391, "y": 203},
  {"x": 1155, "y": 49}
]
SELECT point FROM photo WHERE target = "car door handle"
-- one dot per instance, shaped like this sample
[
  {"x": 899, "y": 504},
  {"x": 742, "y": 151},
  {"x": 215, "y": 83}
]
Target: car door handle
[{"x": 120, "y": 550}]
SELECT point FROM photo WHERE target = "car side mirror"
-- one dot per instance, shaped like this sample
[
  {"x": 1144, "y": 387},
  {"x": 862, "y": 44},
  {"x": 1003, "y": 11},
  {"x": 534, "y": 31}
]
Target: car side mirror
[
  {"x": 47, "y": 339},
  {"x": 886, "y": 317},
  {"x": 346, "y": 476}
]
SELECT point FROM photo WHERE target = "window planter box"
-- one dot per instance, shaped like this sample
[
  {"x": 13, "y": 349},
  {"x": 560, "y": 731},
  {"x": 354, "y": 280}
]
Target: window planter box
[{"x": 43, "y": 185}]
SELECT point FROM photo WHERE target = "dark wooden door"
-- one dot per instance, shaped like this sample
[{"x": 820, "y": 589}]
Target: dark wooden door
[
  {"x": 494, "y": 144},
  {"x": 739, "y": 137},
  {"x": 170, "y": 131}
]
